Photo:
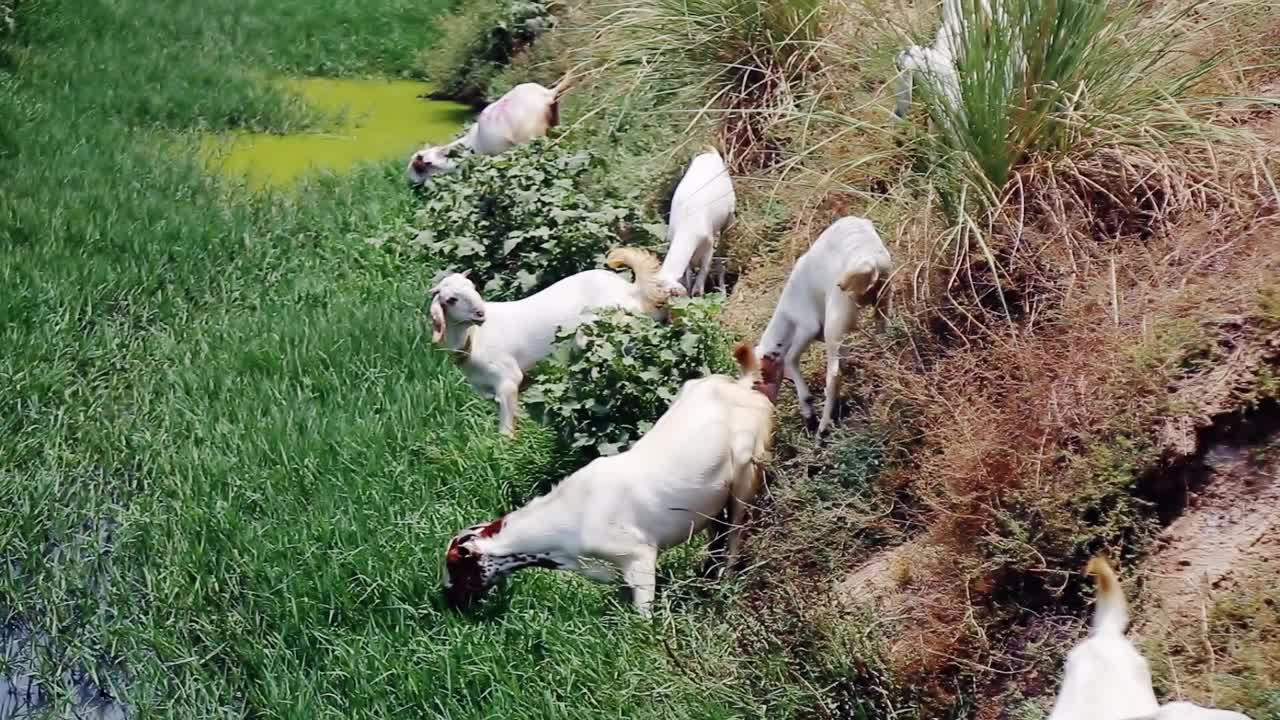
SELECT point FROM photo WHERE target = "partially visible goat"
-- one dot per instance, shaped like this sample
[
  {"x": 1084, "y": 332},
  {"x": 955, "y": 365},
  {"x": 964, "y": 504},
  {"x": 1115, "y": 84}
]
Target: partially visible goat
[
  {"x": 1105, "y": 676},
  {"x": 936, "y": 66},
  {"x": 523, "y": 114},
  {"x": 497, "y": 343},
  {"x": 846, "y": 270},
  {"x": 704, "y": 454},
  {"x": 1191, "y": 711},
  {"x": 701, "y": 208},
  {"x": 936, "y": 63}
]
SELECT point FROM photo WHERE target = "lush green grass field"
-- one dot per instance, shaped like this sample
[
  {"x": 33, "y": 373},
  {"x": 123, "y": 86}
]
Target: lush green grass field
[{"x": 228, "y": 459}]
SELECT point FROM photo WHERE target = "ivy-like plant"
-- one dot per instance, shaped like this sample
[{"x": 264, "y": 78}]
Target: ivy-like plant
[
  {"x": 521, "y": 220},
  {"x": 607, "y": 382}
]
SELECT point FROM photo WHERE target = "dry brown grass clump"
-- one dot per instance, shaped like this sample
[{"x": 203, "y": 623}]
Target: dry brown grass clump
[{"x": 1033, "y": 394}]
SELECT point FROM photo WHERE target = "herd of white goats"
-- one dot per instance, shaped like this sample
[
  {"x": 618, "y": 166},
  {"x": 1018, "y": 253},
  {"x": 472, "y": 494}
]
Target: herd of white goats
[{"x": 701, "y": 464}]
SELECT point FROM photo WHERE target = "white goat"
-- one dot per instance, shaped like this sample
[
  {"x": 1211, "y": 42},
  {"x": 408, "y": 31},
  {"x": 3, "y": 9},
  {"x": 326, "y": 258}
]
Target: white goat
[
  {"x": 845, "y": 270},
  {"x": 497, "y": 343},
  {"x": 704, "y": 455},
  {"x": 936, "y": 63},
  {"x": 1105, "y": 676},
  {"x": 701, "y": 208},
  {"x": 523, "y": 114},
  {"x": 1191, "y": 711}
]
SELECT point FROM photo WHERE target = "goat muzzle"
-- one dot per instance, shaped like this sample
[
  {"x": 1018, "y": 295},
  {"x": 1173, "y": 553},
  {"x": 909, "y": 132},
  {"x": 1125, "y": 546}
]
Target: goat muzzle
[{"x": 770, "y": 378}]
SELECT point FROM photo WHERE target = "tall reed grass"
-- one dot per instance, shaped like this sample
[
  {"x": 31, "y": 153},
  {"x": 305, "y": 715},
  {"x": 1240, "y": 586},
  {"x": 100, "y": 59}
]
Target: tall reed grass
[
  {"x": 743, "y": 62},
  {"x": 1088, "y": 101}
]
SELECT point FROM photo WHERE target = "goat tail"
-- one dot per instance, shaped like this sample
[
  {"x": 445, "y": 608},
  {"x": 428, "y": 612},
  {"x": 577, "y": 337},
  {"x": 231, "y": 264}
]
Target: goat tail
[
  {"x": 566, "y": 81},
  {"x": 1111, "y": 613},
  {"x": 646, "y": 266}
]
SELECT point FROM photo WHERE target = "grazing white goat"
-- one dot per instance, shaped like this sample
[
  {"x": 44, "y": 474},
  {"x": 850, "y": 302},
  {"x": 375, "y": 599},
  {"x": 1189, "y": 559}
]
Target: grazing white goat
[
  {"x": 701, "y": 208},
  {"x": 1106, "y": 678},
  {"x": 846, "y": 270},
  {"x": 497, "y": 343},
  {"x": 704, "y": 455},
  {"x": 523, "y": 114}
]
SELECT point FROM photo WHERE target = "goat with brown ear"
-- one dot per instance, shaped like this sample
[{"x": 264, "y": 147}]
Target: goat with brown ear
[
  {"x": 612, "y": 517},
  {"x": 846, "y": 270}
]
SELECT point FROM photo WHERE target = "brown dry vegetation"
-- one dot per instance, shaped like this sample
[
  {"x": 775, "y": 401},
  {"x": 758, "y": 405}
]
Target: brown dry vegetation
[
  {"x": 1017, "y": 417},
  {"x": 1031, "y": 432}
]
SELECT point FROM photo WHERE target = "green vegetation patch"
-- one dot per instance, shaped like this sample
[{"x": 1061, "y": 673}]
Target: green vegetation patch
[
  {"x": 369, "y": 120},
  {"x": 608, "y": 382},
  {"x": 519, "y": 221},
  {"x": 231, "y": 460}
]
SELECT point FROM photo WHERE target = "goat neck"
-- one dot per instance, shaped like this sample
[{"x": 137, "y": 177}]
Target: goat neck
[
  {"x": 684, "y": 243},
  {"x": 458, "y": 339},
  {"x": 536, "y": 534}
]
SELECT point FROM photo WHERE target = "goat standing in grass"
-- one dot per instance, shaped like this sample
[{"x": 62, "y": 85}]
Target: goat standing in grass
[
  {"x": 1106, "y": 678},
  {"x": 846, "y": 270},
  {"x": 497, "y": 343},
  {"x": 701, "y": 209},
  {"x": 522, "y": 115},
  {"x": 704, "y": 455},
  {"x": 936, "y": 63}
]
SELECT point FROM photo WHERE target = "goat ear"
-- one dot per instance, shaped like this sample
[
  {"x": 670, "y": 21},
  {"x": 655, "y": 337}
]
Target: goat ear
[
  {"x": 437, "y": 319},
  {"x": 466, "y": 274}
]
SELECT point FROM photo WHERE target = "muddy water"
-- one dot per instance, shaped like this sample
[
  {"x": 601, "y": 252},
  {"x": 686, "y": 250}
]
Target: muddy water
[
  {"x": 371, "y": 121},
  {"x": 23, "y": 696}
]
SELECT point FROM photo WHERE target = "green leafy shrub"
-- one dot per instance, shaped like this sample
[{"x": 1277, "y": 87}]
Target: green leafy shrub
[
  {"x": 520, "y": 221},
  {"x": 478, "y": 40},
  {"x": 606, "y": 383}
]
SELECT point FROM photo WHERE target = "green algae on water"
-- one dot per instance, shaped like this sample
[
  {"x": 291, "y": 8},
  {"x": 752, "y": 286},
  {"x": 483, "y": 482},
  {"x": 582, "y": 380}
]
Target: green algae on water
[{"x": 369, "y": 120}]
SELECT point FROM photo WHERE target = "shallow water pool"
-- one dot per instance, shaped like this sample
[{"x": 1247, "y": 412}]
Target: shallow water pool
[{"x": 372, "y": 120}]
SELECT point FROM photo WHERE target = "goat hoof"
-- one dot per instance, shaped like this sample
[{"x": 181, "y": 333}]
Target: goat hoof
[{"x": 811, "y": 424}]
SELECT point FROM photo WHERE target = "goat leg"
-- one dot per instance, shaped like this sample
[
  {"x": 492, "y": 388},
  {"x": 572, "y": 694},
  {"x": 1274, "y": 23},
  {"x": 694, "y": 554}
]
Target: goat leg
[
  {"x": 639, "y": 572},
  {"x": 743, "y": 492},
  {"x": 507, "y": 397}
]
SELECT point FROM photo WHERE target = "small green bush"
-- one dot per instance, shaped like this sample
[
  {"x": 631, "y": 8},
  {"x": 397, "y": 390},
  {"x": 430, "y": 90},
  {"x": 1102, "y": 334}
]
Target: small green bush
[
  {"x": 606, "y": 383},
  {"x": 477, "y": 41},
  {"x": 520, "y": 221}
]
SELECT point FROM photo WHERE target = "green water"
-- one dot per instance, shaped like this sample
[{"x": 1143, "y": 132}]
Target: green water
[{"x": 372, "y": 120}]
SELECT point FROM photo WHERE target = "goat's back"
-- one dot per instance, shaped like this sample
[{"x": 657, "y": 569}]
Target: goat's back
[
  {"x": 1105, "y": 678},
  {"x": 678, "y": 476},
  {"x": 522, "y": 114},
  {"x": 849, "y": 244},
  {"x": 526, "y": 328},
  {"x": 705, "y": 193},
  {"x": 725, "y": 416}
]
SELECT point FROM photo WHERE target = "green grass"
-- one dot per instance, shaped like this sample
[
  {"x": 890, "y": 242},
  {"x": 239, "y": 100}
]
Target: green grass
[{"x": 230, "y": 461}]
